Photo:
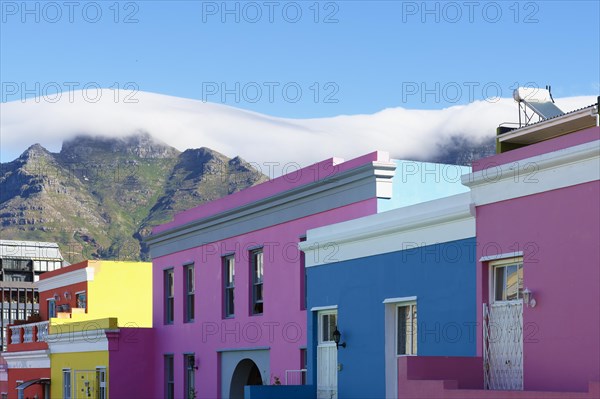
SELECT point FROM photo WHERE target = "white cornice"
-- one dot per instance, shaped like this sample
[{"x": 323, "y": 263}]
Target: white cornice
[
  {"x": 507, "y": 255},
  {"x": 27, "y": 359},
  {"x": 558, "y": 169},
  {"x": 432, "y": 222},
  {"x": 64, "y": 279},
  {"x": 78, "y": 341},
  {"x": 371, "y": 180}
]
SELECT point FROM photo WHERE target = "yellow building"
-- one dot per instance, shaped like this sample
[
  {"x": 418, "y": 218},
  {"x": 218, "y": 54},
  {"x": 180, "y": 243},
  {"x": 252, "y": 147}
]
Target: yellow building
[{"x": 95, "y": 329}]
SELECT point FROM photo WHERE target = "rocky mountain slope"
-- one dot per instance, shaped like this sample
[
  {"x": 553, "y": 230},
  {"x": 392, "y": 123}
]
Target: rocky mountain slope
[{"x": 99, "y": 197}]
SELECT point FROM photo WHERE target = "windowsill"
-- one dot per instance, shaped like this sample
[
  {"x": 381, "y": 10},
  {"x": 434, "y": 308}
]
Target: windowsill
[
  {"x": 257, "y": 314},
  {"x": 229, "y": 317}
]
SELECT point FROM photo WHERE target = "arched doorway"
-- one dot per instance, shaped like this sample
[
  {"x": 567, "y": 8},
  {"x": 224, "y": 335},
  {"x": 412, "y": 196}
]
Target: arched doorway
[{"x": 246, "y": 373}]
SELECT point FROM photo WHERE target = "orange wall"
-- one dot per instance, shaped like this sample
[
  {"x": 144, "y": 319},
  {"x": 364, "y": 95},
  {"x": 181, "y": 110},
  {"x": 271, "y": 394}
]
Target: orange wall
[
  {"x": 72, "y": 289},
  {"x": 26, "y": 375}
]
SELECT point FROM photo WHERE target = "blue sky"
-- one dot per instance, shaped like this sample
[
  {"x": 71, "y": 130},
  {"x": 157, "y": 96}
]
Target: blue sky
[{"x": 303, "y": 59}]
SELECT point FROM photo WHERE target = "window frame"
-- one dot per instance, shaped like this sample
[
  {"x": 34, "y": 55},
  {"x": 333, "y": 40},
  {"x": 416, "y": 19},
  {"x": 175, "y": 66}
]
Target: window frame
[
  {"x": 321, "y": 314},
  {"x": 189, "y": 375},
  {"x": 413, "y": 333},
  {"x": 504, "y": 264},
  {"x": 53, "y": 313},
  {"x": 256, "y": 282},
  {"x": 67, "y": 389},
  {"x": 303, "y": 288},
  {"x": 102, "y": 385},
  {"x": 169, "y": 296},
  {"x": 169, "y": 375},
  {"x": 189, "y": 291},
  {"x": 228, "y": 286},
  {"x": 79, "y": 293}
]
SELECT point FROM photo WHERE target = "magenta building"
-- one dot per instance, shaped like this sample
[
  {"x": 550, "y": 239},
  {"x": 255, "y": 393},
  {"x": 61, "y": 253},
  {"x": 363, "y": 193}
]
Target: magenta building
[
  {"x": 537, "y": 206},
  {"x": 229, "y": 306}
]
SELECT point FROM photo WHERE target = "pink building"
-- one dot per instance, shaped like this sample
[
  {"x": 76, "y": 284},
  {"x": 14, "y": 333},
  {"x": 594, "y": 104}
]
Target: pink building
[
  {"x": 229, "y": 306},
  {"x": 538, "y": 275}
]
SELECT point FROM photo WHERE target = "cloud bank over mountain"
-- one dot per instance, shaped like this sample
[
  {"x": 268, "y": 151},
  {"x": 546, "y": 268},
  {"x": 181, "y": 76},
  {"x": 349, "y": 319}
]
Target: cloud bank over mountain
[{"x": 186, "y": 123}]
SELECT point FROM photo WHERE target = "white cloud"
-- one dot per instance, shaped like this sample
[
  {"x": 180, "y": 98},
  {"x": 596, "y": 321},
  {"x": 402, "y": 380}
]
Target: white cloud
[{"x": 185, "y": 123}]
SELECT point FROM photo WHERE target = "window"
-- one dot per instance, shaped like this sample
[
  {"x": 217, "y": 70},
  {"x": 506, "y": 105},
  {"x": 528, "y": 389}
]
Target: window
[
  {"x": 101, "y": 381},
  {"x": 66, "y": 384},
  {"x": 169, "y": 295},
  {"x": 51, "y": 308},
  {"x": 189, "y": 381},
  {"x": 189, "y": 293},
  {"x": 406, "y": 329},
  {"x": 327, "y": 325},
  {"x": 508, "y": 280},
  {"x": 302, "y": 277},
  {"x": 229, "y": 278},
  {"x": 303, "y": 365},
  {"x": 256, "y": 265},
  {"x": 169, "y": 377},
  {"x": 80, "y": 298}
]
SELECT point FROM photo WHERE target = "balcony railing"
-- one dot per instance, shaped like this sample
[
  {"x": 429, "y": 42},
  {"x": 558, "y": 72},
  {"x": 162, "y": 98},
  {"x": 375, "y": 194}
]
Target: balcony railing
[
  {"x": 295, "y": 377},
  {"x": 32, "y": 332}
]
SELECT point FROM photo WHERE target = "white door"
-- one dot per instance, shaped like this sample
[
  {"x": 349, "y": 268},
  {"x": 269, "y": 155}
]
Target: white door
[
  {"x": 503, "y": 327},
  {"x": 327, "y": 367}
]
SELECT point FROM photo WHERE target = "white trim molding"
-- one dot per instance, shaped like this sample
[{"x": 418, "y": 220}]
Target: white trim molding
[
  {"x": 428, "y": 223},
  {"x": 554, "y": 170},
  {"x": 321, "y": 308},
  {"x": 508, "y": 255},
  {"x": 38, "y": 359},
  {"x": 64, "y": 279},
  {"x": 78, "y": 341},
  {"x": 400, "y": 300},
  {"x": 368, "y": 181}
]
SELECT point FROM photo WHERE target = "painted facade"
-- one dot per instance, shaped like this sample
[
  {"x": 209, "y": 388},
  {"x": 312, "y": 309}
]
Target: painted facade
[
  {"x": 74, "y": 332},
  {"x": 415, "y": 263},
  {"x": 219, "y": 348},
  {"x": 537, "y": 275}
]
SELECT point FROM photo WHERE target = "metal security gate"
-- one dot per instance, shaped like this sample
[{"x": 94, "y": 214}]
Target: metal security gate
[{"x": 503, "y": 345}]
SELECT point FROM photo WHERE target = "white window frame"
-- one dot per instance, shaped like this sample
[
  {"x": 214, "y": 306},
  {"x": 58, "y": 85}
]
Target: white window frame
[
  {"x": 67, "y": 394},
  {"x": 391, "y": 341},
  {"x": 102, "y": 385},
  {"x": 320, "y": 315},
  {"x": 492, "y": 266},
  {"x": 411, "y": 305}
]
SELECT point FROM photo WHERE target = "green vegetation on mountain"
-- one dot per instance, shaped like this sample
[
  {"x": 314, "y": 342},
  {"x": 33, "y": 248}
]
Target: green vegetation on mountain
[{"x": 100, "y": 197}]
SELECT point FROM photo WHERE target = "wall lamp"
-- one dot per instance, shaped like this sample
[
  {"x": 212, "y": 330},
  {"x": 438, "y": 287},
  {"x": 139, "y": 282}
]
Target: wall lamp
[
  {"x": 337, "y": 335},
  {"x": 528, "y": 298}
]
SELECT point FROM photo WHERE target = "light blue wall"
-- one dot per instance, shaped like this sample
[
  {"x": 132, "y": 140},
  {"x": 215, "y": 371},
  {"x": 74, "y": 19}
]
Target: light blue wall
[
  {"x": 442, "y": 277},
  {"x": 416, "y": 182}
]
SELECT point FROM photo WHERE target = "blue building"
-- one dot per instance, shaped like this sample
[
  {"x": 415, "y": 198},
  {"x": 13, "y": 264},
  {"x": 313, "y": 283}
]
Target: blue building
[{"x": 398, "y": 283}]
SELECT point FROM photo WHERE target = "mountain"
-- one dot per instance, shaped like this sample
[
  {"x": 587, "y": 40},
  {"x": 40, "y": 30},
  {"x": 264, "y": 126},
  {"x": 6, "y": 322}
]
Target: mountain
[{"x": 99, "y": 197}]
